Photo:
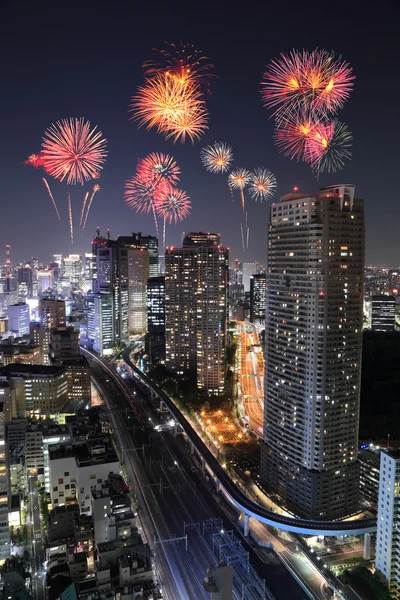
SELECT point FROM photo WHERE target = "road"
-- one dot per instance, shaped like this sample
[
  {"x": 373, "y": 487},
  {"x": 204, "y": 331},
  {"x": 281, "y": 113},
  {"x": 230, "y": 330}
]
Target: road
[
  {"x": 251, "y": 376},
  {"x": 177, "y": 500}
]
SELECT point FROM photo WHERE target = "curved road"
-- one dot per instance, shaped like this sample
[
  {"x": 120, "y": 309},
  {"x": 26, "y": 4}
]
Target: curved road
[{"x": 234, "y": 494}]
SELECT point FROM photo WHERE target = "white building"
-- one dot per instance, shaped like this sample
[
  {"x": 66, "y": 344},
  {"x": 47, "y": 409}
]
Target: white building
[
  {"x": 76, "y": 470},
  {"x": 249, "y": 269},
  {"x": 387, "y": 560},
  {"x": 72, "y": 270},
  {"x": 138, "y": 274},
  {"x": 18, "y": 319}
]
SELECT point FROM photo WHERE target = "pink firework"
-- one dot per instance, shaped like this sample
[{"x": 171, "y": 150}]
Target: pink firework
[
  {"x": 159, "y": 167},
  {"x": 143, "y": 193},
  {"x": 292, "y": 134},
  {"x": 318, "y": 81},
  {"x": 174, "y": 205},
  {"x": 328, "y": 147},
  {"x": 72, "y": 151}
]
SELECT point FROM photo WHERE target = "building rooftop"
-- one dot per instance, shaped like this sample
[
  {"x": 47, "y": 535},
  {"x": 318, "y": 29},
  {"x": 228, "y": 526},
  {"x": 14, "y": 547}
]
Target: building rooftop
[
  {"x": 18, "y": 369},
  {"x": 86, "y": 453},
  {"x": 394, "y": 453}
]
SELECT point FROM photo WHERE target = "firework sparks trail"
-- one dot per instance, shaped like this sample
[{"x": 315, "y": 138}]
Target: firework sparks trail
[
  {"x": 71, "y": 150},
  {"x": 96, "y": 188},
  {"x": 317, "y": 80},
  {"x": 241, "y": 230},
  {"x": 174, "y": 206},
  {"x": 182, "y": 62},
  {"x": 262, "y": 184},
  {"x": 329, "y": 147},
  {"x": 51, "y": 197},
  {"x": 217, "y": 158},
  {"x": 71, "y": 228},
  {"x": 175, "y": 109},
  {"x": 83, "y": 207},
  {"x": 238, "y": 179}
]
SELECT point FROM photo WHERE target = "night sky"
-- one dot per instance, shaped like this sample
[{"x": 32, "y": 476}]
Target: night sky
[{"x": 84, "y": 58}]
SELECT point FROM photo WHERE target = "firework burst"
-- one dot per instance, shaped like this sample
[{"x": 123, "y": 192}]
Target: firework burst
[
  {"x": 316, "y": 80},
  {"x": 182, "y": 62},
  {"x": 159, "y": 167},
  {"x": 72, "y": 151},
  {"x": 174, "y": 206},
  {"x": 175, "y": 109},
  {"x": 262, "y": 184},
  {"x": 237, "y": 180},
  {"x": 329, "y": 147},
  {"x": 217, "y": 158},
  {"x": 292, "y": 134}
]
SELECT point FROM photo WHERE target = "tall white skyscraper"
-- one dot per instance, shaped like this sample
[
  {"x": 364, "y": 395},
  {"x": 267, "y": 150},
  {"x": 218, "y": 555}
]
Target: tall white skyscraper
[
  {"x": 138, "y": 274},
  {"x": 196, "y": 282},
  {"x": 387, "y": 550},
  {"x": 249, "y": 269},
  {"x": 72, "y": 270},
  {"x": 314, "y": 292},
  {"x": 18, "y": 319}
]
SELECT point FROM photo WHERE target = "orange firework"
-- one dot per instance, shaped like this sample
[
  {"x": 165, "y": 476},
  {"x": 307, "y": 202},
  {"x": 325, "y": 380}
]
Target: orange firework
[
  {"x": 71, "y": 228},
  {"x": 51, "y": 197},
  {"x": 175, "y": 108}
]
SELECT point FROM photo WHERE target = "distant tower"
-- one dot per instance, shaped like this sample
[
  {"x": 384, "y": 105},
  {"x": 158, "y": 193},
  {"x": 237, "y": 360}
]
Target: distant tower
[{"x": 8, "y": 261}]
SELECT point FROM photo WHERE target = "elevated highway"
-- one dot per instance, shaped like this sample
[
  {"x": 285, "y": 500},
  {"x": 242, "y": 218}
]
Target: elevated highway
[{"x": 224, "y": 483}]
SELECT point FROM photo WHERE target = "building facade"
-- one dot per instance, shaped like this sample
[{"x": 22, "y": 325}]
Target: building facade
[
  {"x": 313, "y": 335},
  {"x": 5, "y": 499},
  {"x": 257, "y": 298},
  {"x": 196, "y": 282},
  {"x": 18, "y": 319},
  {"x": 383, "y": 313},
  {"x": 155, "y": 337},
  {"x": 387, "y": 550}
]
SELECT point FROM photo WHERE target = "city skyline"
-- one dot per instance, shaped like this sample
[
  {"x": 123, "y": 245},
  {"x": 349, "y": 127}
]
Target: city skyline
[{"x": 240, "y": 58}]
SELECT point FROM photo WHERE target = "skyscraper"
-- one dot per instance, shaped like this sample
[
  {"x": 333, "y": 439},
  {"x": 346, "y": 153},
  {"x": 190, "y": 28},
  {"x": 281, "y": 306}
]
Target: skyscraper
[
  {"x": 72, "y": 270},
  {"x": 387, "y": 548},
  {"x": 257, "y": 297},
  {"x": 314, "y": 291},
  {"x": 5, "y": 503},
  {"x": 155, "y": 337},
  {"x": 51, "y": 314},
  {"x": 25, "y": 282},
  {"x": 383, "y": 314},
  {"x": 138, "y": 275},
  {"x": 196, "y": 309},
  {"x": 249, "y": 269},
  {"x": 149, "y": 242},
  {"x": 18, "y": 319}
]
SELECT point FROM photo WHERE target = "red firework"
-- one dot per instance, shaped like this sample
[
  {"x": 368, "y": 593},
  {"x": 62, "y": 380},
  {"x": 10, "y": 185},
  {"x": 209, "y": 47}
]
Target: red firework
[
  {"x": 160, "y": 167},
  {"x": 174, "y": 205},
  {"x": 71, "y": 150},
  {"x": 293, "y": 133},
  {"x": 143, "y": 193},
  {"x": 328, "y": 147}
]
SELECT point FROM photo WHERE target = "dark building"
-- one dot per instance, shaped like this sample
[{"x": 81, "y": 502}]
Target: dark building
[
  {"x": 257, "y": 298},
  {"x": 155, "y": 337},
  {"x": 25, "y": 282},
  {"x": 149, "y": 242},
  {"x": 369, "y": 476},
  {"x": 383, "y": 313}
]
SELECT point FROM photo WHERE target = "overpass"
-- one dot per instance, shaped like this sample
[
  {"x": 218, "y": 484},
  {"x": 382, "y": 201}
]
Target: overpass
[{"x": 224, "y": 483}]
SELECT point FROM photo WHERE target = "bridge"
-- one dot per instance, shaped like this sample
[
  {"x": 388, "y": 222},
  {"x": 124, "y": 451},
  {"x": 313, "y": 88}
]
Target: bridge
[{"x": 224, "y": 484}]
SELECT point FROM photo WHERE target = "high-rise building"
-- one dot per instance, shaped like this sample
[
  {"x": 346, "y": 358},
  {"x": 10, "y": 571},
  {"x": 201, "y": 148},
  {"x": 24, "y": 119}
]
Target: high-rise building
[
  {"x": 64, "y": 350},
  {"x": 257, "y": 298},
  {"x": 150, "y": 242},
  {"x": 383, "y": 313},
  {"x": 155, "y": 337},
  {"x": 45, "y": 280},
  {"x": 5, "y": 504},
  {"x": 25, "y": 282},
  {"x": 387, "y": 547},
  {"x": 88, "y": 272},
  {"x": 249, "y": 269},
  {"x": 196, "y": 282},
  {"x": 72, "y": 270},
  {"x": 138, "y": 275},
  {"x": 313, "y": 335},
  {"x": 18, "y": 319},
  {"x": 51, "y": 315},
  {"x": 110, "y": 288}
]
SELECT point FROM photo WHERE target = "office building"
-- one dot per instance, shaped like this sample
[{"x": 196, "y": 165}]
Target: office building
[
  {"x": 148, "y": 242},
  {"x": 72, "y": 270},
  {"x": 249, "y": 269},
  {"x": 387, "y": 547},
  {"x": 18, "y": 319},
  {"x": 369, "y": 476},
  {"x": 88, "y": 272},
  {"x": 35, "y": 390},
  {"x": 155, "y": 337},
  {"x": 45, "y": 281},
  {"x": 110, "y": 289},
  {"x": 383, "y": 313},
  {"x": 64, "y": 350},
  {"x": 5, "y": 499},
  {"x": 25, "y": 277},
  {"x": 196, "y": 281},
  {"x": 51, "y": 315},
  {"x": 313, "y": 336},
  {"x": 138, "y": 275},
  {"x": 257, "y": 298}
]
